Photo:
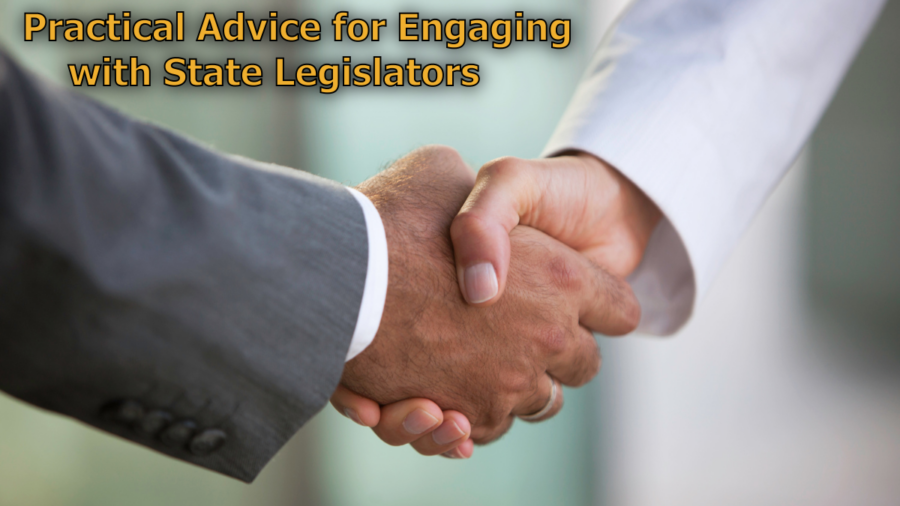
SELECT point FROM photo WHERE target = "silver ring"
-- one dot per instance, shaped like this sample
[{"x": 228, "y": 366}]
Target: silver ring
[{"x": 546, "y": 409}]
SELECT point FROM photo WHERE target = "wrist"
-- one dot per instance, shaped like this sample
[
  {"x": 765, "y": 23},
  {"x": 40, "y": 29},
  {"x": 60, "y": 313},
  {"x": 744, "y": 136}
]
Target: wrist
[
  {"x": 631, "y": 216},
  {"x": 639, "y": 212}
]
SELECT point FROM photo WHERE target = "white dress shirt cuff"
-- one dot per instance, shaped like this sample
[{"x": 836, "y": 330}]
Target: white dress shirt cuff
[
  {"x": 375, "y": 290},
  {"x": 665, "y": 283},
  {"x": 705, "y": 109}
]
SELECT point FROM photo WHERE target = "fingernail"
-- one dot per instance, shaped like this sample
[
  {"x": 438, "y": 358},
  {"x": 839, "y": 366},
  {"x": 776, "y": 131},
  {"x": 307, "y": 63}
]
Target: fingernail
[
  {"x": 454, "y": 454},
  {"x": 481, "y": 282},
  {"x": 419, "y": 421},
  {"x": 351, "y": 414},
  {"x": 447, "y": 433}
]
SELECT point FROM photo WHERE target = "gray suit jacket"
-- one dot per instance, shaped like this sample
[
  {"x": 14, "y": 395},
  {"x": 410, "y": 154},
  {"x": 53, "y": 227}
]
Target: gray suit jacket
[{"x": 196, "y": 303}]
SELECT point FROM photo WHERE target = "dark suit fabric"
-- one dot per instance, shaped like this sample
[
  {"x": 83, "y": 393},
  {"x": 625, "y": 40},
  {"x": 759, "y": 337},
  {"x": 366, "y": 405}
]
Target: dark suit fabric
[{"x": 196, "y": 303}]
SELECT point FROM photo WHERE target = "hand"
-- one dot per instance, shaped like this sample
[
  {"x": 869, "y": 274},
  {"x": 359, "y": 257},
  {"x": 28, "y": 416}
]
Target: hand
[
  {"x": 408, "y": 421},
  {"x": 486, "y": 364},
  {"x": 577, "y": 199}
]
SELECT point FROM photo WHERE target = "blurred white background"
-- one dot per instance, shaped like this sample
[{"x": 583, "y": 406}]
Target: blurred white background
[{"x": 785, "y": 387}]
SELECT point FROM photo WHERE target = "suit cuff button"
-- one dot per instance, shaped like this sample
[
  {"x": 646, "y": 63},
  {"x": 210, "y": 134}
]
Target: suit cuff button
[
  {"x": 178, "y": 433},
  {"x": 124, "y": 412},
  {"x": 207, "y": 442},
  {"x": 153, "y": 422}
]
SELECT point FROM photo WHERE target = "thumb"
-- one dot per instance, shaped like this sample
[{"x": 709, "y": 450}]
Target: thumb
[{"x": 504, "y": 190}]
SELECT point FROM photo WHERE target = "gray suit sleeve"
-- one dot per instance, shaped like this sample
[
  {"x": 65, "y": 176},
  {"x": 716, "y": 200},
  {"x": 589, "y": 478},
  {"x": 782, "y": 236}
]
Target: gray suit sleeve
[{"x": 196, "y": 303}]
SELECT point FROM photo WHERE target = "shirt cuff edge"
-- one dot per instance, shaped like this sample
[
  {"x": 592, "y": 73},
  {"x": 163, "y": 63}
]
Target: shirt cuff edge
[{"x": 375, "y": 290}]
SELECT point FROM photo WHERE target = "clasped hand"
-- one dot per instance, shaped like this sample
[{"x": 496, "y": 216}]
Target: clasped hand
[{"x": 495, "y": 286}]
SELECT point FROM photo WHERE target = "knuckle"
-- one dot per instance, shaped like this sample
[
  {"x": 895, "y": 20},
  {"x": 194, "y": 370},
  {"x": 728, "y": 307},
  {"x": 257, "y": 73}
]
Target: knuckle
[
  {"x": 492, "y": 433},
  {"x": 498, "y": 415},
  {"x": 467, "y": 223},
  {"x": 479, "y": 434},
  {"x": 518, "y": 383},
  {"x": 491, "y": 419},
  {"x": 447, "y": 162},
  {"x": 440, "y": 150},
  {"x": 564, "y": 275},
  {"x": 502, "y": 168},
  {"x": 551, "y": 339}
]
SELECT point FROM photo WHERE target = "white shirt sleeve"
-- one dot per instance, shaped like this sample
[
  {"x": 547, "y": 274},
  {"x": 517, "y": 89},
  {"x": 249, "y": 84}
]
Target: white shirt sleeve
[
  {"x": 704, "y": 104},
  {"x": 375, "y": 290}
]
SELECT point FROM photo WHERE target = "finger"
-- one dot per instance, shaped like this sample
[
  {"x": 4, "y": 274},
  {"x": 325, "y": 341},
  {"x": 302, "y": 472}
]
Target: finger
[
  {"x": 406, "y": 421},
  {"x": 579, "y": 360},
  {"x": 451, "y": 434},
  {"x": 608, "y": 305},
  {"x": 545, "y": 403},
  {"x": 605, "y": 302},
  {"x": 463, "y": 451},
  {"x": 361, "y": 410},
  {"x": 504, "y": 190}
]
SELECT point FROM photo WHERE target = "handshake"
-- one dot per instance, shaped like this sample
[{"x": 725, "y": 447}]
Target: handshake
[{"x": 495, "y": 285}]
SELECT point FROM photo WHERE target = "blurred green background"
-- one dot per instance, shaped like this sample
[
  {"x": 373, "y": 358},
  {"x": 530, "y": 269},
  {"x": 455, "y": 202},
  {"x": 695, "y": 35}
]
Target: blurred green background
[{"x": 46, "y": 459}]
